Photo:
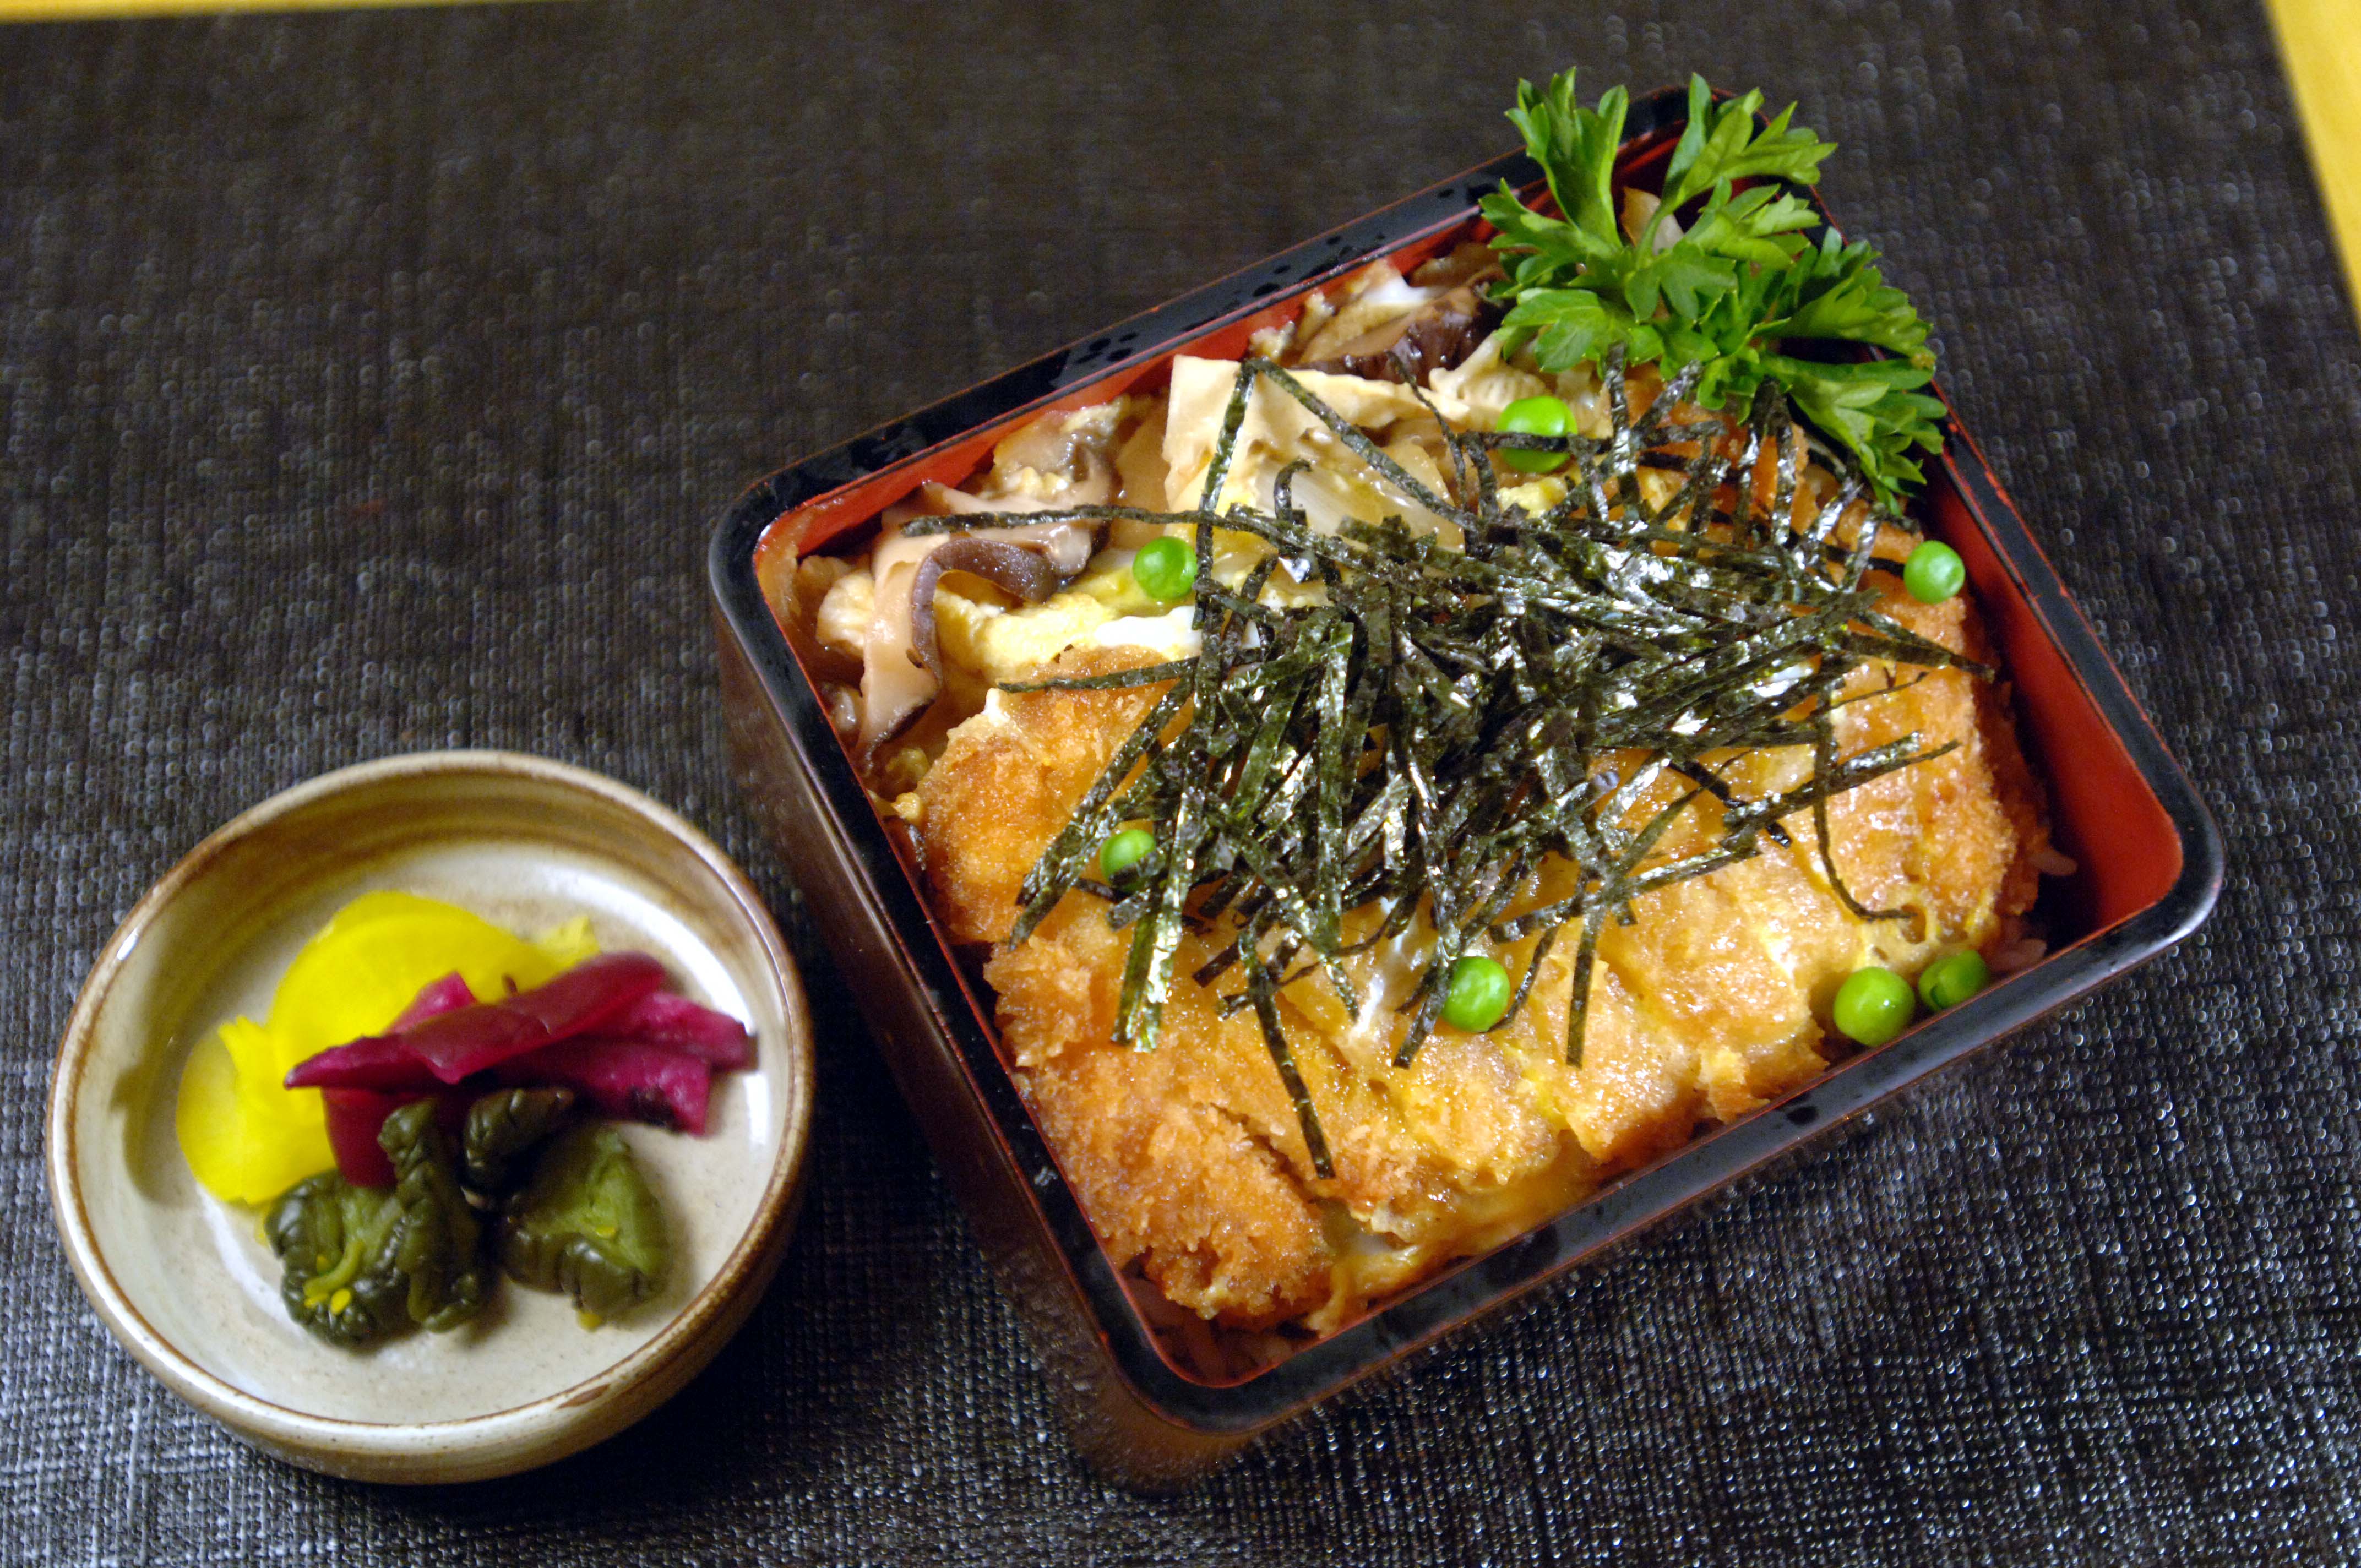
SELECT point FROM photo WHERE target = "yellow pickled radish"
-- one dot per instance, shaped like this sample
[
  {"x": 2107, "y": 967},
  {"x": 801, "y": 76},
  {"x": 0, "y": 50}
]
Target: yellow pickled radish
[
  {"x": 568, "y": 944},
  {"x": 380, "y": 952},
  {"x": 245, "y": 1142},
  {"x": 247, "y": 1137}
]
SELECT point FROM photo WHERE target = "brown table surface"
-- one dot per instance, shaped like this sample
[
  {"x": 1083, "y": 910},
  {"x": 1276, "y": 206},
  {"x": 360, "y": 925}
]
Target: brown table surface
[{"x": 371, "y": 382}]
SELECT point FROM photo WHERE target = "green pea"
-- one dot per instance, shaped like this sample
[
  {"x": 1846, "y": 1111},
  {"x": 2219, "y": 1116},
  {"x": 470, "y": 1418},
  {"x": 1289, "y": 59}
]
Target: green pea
[
  {"x": 1122, "y": 853},
  {"x": 1165, "y": 569},
  {"x": 1950, "y": 980},
  {"x": 1535, "y": 416},
  {"x": 1478, "y": 993},
  {"x": 1873, "y": 1005},
  {"x": 1934, "y": 572}
]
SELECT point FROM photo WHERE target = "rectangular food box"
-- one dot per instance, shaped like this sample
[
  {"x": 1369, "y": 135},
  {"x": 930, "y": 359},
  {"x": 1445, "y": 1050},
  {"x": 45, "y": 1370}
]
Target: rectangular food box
[{"x": 2149, "y": 866}]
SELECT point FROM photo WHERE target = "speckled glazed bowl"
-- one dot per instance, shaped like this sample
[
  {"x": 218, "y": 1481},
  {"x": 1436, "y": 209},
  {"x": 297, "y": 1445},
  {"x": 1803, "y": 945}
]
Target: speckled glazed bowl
[{"x": 184, "y": 1280}]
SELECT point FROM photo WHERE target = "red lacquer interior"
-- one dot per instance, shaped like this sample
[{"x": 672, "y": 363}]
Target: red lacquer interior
[{"x": 2102, "y": 812}]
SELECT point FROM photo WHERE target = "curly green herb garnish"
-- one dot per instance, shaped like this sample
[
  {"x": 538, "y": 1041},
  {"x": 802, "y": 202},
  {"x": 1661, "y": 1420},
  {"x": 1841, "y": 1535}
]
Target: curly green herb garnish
[{"x": 1731, "y": 293}]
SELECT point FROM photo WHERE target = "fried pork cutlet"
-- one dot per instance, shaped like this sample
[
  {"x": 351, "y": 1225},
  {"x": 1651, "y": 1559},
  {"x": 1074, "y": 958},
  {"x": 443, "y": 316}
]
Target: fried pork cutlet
[{"x": 1190, "y": 1158}]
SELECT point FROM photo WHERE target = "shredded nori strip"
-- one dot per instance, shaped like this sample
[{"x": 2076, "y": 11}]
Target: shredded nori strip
[{"x": 1421, "y": 735}]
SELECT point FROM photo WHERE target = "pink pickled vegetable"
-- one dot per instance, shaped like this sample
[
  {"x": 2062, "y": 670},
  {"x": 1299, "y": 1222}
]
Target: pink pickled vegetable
[
  {"x": 354, "y": 1117},
  {"x": 660, "y": 1018},
  {"x": 450, "y": 1046},
  {"x": 603, "y": 1029},
  {"x": 381, "y": 1063},
  {"x": 377, "y": 1081},
  {"x": 619, "y": 1078},
  {"x": 445, "y": 996}
]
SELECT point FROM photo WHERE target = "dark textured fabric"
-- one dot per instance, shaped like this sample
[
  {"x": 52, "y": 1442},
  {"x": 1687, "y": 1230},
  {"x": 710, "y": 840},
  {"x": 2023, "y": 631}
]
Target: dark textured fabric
[{"x": 371, "y": 382}]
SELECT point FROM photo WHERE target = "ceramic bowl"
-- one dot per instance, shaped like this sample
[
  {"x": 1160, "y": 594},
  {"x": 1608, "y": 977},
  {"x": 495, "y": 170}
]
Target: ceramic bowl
[{"x": 184, "y": 1279}]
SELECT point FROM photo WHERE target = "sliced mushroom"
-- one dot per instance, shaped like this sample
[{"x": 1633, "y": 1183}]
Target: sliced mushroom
[
  {"x": 1057, "y": 444},
  {"x": 1055, "y": 462},
  {"x": 1028, "y": 574},
  {"x": 844, "y": 708},
  {"x": 1069, "y": 544},
  {"x": 1437, "y": 336},
  {"x": 895, "y": 686},
  {"x": 1470, "y": 261}
]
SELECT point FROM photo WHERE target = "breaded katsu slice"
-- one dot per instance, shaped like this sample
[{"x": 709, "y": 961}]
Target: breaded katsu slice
[{"x": 1190, "y": 1159}]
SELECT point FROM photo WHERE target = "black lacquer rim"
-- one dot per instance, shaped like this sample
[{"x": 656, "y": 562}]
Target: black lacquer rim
[{"x": 1693, "y": 1172}]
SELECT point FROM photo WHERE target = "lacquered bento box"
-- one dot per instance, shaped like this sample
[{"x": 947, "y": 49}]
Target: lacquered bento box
[{"x": 2149, "y": 866}]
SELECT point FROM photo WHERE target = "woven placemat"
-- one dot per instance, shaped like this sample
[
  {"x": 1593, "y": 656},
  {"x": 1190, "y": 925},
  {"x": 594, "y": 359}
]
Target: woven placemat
[{"x": 370, "y": 383}]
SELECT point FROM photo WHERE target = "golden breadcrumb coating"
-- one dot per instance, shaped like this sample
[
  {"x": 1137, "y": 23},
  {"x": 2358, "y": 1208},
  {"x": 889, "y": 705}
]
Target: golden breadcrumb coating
[{"x": 1189, "y": 1157}]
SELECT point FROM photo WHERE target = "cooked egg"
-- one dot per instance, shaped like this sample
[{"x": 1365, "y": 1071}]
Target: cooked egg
[
  {"x": 1277, "y": 430},
  {"x": 1170, "y": 635},
  {"x": 843, "y": 622},
  {"x": 997, "y": 643}
]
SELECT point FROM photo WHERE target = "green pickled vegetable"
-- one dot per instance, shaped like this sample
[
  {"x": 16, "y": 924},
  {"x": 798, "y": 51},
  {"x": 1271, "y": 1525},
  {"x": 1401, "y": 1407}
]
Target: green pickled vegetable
[
  {"x": 437, "y": 1239},
  {"x": 586, "y": 1225},
  {"x": 505, "y": 1126},
  {"x": 365, "y": 1262},
  {"x": 333, "y": 1238}
]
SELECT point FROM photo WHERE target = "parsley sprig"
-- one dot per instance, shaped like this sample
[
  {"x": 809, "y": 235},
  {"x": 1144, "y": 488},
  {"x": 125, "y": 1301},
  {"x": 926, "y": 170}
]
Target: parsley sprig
[{"x": 1732, "y": 293}]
